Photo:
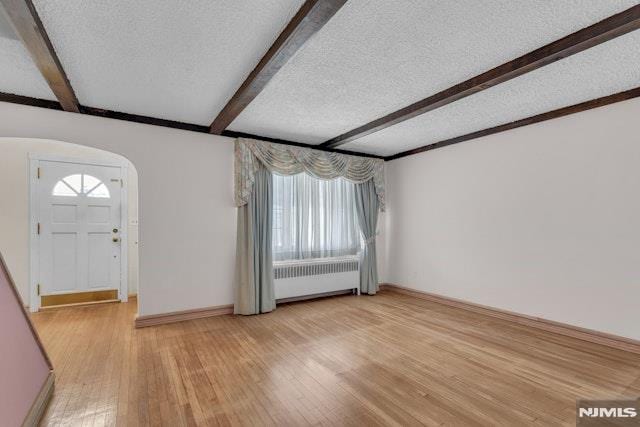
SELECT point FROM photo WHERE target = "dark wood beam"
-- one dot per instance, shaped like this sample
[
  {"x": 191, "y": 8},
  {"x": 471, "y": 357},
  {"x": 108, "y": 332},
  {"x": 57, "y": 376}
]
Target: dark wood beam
[
  {"x": 607, "y": 29},
  {"x": 565, "y": 111},
  {"x": 233, "y": 134},
  {"x": 205, "y": 129},
  {"x": 27, "y": 24},
  {"x": 116, "y": 115},
  {"x": 310, "y": 18},
  {"x": 34, "y": 102},
  {"x": 136, "y": 118}
]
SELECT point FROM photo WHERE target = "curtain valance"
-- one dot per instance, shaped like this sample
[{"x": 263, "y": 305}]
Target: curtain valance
[{"x": 290, "y": 160}]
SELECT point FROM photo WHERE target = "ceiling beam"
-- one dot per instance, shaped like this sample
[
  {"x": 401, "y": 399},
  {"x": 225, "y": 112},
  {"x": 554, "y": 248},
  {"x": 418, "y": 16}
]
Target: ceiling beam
[
  {"x": 27, "y": 24},
  {"x": 116, "y": 115},
  {"x": 136, "y": 118},
  {"x": 308, "y": 20},
  {"x": 26, "y": 100},
  {"x": 607, "y": 29},
  {"x": 565, "y": 111},
  {"x": 233, "y": 134}
]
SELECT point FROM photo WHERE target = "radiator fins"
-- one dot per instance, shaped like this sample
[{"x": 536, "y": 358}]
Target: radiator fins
[{"x": 313, "y": 268}]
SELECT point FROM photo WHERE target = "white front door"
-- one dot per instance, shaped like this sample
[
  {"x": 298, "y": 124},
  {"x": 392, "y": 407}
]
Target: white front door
[{"x": 79, "y": 219}]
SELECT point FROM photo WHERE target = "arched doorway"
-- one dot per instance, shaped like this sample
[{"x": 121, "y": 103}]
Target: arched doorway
[{"x": 70, "y": 222}]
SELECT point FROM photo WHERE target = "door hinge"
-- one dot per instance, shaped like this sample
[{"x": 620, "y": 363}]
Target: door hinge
[
  {"x": 121, "y": 183},
  {"x": 38, "y": 228},
  {"x": 38, "y": 173},
  {"x": 38, "y": 289}
]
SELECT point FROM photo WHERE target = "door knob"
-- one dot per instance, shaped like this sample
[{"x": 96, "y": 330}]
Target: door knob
[{"x": 115, "y": 240}]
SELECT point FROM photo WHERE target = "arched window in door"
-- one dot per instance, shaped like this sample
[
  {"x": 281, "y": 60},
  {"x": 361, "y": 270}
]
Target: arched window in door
[{"x": 77, "y": 184}]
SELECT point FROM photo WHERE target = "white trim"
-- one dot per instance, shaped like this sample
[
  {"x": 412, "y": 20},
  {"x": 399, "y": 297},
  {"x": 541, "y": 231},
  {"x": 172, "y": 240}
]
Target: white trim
[
  {"x": 79, "y": 160},
  {"x": 124, "y": 234},
  {"x": 34, "y": 163},
  {"x": 34, "y": 259}
]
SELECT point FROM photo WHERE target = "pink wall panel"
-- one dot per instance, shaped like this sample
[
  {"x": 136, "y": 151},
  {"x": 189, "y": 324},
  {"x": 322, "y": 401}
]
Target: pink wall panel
[{"x": 23, "y": 366}]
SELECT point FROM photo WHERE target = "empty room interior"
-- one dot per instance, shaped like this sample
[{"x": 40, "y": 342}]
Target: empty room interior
[{"x": 320, "y": 212}]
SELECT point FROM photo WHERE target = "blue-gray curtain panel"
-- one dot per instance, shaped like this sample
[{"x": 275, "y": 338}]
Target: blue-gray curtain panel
[
  {"x": 254, "y": 289},
  {"x": 367, "y": 205}
]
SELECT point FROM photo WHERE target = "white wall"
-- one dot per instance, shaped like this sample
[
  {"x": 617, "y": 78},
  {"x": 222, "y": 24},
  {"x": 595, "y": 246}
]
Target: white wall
[
  {"x": 187, "y": 218},
  {"x": 14, "y": 194},
  {"x": 543, "y": 220}
]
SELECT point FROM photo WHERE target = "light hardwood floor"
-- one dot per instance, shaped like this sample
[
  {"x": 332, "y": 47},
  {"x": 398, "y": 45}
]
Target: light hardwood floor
[{"x": 384, "y": 360}]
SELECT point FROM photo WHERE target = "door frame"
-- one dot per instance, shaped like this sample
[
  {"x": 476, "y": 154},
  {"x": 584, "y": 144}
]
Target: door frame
[{"x": 34, "y": 254}]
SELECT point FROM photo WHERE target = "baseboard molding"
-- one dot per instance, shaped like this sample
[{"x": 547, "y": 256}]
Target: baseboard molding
[
  {"x": 40, "y": 404},
  {"x": 79, "y": 304},
  {"x": 181, "y": 316},
  {"x": 314, "y": 296},
  {"x": 603, "y": 338}
]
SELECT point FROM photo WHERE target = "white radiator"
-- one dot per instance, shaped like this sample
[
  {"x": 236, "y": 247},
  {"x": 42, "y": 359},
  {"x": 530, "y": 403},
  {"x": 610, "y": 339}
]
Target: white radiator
[{"x": 315, "y": 276}]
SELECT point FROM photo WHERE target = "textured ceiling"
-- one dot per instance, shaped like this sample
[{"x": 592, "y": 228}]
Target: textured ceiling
[
  {"x": 608, "y": 68},
  {"x": 6, "y": 30},
  {"x": 376, "y": 56},
  {"x": 182, "y": 61},
  {"x": 170, "y": 59},
  {"x": 18, "y": 73}
]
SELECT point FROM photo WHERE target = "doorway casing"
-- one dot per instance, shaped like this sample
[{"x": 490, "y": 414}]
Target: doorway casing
[{"x": 34, "y": 255}]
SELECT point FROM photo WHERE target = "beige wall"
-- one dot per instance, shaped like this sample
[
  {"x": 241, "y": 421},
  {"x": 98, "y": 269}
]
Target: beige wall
[
  {"x": 187, "y": 217},
  {"x": 543, "y": 220},
  {"x": 14, "y": 193}
]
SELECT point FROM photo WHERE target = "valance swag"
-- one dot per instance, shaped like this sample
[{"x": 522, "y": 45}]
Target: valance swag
[{"x": 290, "y": 160}]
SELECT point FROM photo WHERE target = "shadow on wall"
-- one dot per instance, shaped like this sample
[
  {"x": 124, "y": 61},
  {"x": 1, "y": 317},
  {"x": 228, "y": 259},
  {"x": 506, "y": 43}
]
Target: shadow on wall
[{"x": 15, "y": 154}]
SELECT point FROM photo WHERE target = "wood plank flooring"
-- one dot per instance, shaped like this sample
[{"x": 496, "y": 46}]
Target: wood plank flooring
[{"x": 364, "y": 361}]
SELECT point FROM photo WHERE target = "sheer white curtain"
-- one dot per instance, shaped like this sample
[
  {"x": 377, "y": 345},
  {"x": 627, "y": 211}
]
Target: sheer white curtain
[{"x": 313, "y": 218}]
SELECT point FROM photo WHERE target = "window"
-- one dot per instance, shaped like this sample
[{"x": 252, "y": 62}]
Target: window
[
  {"x": 313, "y": 218},
  {"x": 73, "y": 185}
]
